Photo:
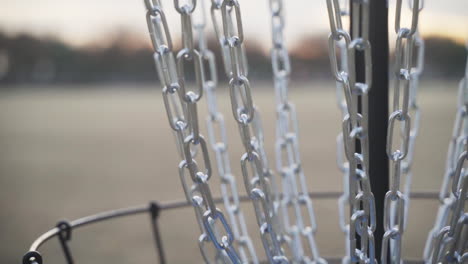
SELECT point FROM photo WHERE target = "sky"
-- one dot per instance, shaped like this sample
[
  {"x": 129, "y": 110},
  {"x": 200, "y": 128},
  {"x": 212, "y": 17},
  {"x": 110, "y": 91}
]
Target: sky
[{"x": 87, "y": 21}]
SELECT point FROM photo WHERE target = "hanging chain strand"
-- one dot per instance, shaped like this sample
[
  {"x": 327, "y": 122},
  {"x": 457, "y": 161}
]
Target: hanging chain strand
[
  {"x": 447, "y": 240},
  {"x": 404, "y": 101},
  {"x": 407, "y": 162},
  {"x": 181, "y": 108},
  {"x": 258, "y": 179},
  {"x": 355, "y": 126},
  {"x": 342, "y": 163},
  {"x": 217, "y": 138},
  {"x": 294, "y": 185}
]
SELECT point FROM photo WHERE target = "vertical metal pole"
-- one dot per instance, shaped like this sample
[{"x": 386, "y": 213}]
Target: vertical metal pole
[
  {"x": 378, "y": 109},
  {"x": 378, "y": 113},
  {"x": 64, "y": 235},
  {"x": 154, "y": 213}
]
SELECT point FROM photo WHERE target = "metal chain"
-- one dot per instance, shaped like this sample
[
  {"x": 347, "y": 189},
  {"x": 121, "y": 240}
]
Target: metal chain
[
  {"x": 181, "y": 108},
  {"x": 258, "y": 179},
  {"x": 447, "y": 240},
  {"x": 395, "y": 204},
  {"x": 288, "y": 160},
  {"x": 342, "y": 163},
  {"x": 355, "y": 127},
  {"x": 414, "y": 109},
  {"x": 217, "y": 138}
]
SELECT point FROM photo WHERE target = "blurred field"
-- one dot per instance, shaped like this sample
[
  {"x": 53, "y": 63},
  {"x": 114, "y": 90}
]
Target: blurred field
[{"x": 67, "y": 153}]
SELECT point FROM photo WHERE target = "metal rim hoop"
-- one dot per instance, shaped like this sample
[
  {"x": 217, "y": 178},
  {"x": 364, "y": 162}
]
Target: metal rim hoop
[{"x": 154, "y": 209}]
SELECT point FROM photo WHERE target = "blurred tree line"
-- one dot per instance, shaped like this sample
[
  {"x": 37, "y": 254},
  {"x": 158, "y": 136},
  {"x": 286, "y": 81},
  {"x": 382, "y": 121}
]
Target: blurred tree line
[{"x": 28, "y": 59}]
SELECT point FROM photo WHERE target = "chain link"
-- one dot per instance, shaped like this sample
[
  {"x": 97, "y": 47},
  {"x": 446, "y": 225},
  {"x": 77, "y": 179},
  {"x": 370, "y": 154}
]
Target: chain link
[
  {"x": 446, "y": 242},
  {"x": 288, "y": 159},
  {"x": 218, "y": 141},
  {"x": 258, "y": 179},
  {"x": 181, "y": 107},
  {"x": 338, "y": 68},
  {"x": 404, "y": 100},
  {"x": 355, "y": 127},
  {"x": 415, "y": 113}
]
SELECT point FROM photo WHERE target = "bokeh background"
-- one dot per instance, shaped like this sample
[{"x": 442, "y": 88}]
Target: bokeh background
[{"x": 83, "y": 127}]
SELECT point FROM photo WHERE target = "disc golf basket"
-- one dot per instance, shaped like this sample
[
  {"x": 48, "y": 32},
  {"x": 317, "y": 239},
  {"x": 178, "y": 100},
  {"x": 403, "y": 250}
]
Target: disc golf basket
[{"x": 374, "y": 202}]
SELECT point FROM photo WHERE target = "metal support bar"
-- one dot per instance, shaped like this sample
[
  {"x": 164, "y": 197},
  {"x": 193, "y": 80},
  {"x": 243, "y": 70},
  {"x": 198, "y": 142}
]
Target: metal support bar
[
  {"x": 378, "y": 109},
  {"x": 378, "y": 113},
  {"x": 64, "y": 235},
  {"x": 155, "y": 209}
]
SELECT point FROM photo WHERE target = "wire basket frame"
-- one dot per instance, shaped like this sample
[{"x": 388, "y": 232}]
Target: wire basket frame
[{"x": 64, "y": 229}]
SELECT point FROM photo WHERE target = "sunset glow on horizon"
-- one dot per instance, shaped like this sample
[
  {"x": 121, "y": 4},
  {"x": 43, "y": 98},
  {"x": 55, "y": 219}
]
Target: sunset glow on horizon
[{"x": 83, "y": 22}]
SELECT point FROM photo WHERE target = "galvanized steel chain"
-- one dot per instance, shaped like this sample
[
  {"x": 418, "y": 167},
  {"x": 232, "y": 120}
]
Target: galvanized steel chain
[
  {"x": 415, "y": 113},
  {"x": 355, "y": 125},
  {"x": 289, "y": 165},
  {"x": 447, "y": 240},
  {"x": 181, "y": 108},
  {"x": 258, "y": 179},
  {"x": 342, "y": 162},
  {"x": 217, "y": 138},
  {"x": 400, "y": 153}
]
